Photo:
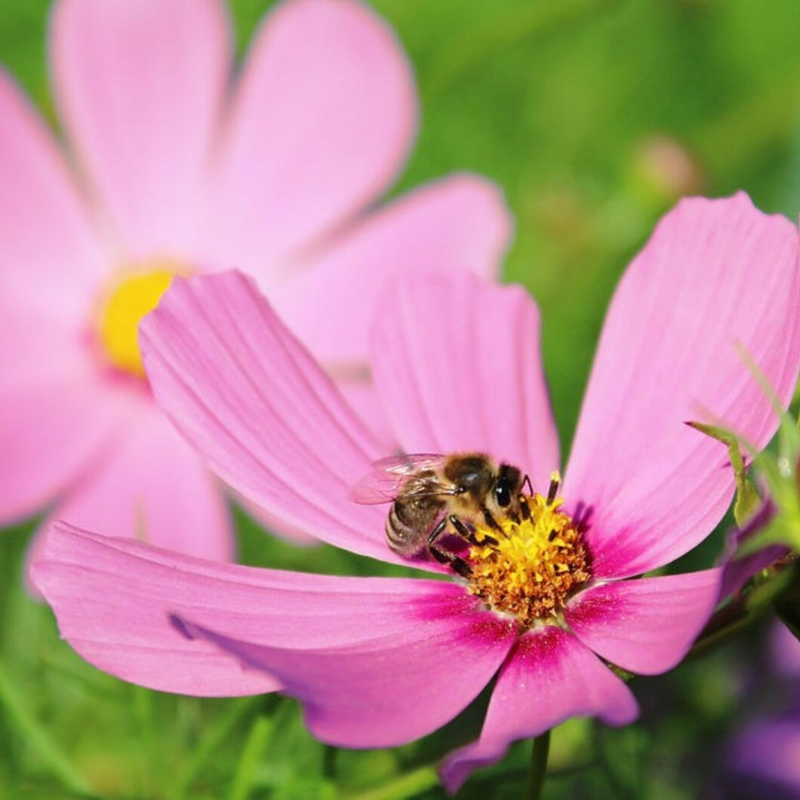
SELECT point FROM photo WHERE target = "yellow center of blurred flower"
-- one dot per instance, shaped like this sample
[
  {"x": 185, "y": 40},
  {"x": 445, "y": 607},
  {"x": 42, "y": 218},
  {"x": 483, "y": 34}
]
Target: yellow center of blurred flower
[
  {"x": 533, "y": 566},
  {"x": 127, "y": 299}
]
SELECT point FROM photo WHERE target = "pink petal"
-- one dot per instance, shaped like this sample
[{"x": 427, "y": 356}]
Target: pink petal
[
  {"x": 648, "y": 625},
  {"x": 456, "y": 224},
  {"x": 39, "y": 344},
  {"x": 51, "y": 431},
  {"x": 549, "y": 678},
  {"x": 257, "y": 407},
  {"x": 49, "y": 261},
  {"x": 716, "y": 276},
  {"x": 322, "y": 120},
  {"x": 361, "y": 395},
  {"x": 139, "y": 86},
  {"x": 395, "y": 680},
  {"x": 113, "y": 599},
  {"x": 152, "y": 486},
  {"x": 458, "y": 364}
]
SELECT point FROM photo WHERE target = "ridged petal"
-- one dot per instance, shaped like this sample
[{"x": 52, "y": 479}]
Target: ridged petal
[
  {"x": 456, "y": 224},
  {"x": 377, "y": 647},
  {"x": 717, "y": 278},
  {"x": 260, "y": 410},
  {"x": 648, "y": 625},
  {"x": 396, "y": 680},
  {"x": 458, "y": 363}
]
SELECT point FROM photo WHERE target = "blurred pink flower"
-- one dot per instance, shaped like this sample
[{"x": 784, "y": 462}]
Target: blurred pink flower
[
  {"x": 180, "y": 173},
  {"x": 762, "y": 759},
  {"x": 785, "y": 652},
  {"x": 381, "y": 661}
]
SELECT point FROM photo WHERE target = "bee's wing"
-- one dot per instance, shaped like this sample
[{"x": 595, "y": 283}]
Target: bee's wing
[{"x": 384, "y": 482}]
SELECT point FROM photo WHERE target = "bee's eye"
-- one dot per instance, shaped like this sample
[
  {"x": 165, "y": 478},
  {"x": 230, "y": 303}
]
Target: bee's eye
[{"x": 502, "y": 494}]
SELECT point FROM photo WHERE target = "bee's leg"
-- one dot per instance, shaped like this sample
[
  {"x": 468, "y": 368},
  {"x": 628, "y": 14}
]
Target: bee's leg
[
  {"x": 465, "y": 533},
  {"x": 454, "y": 562},
  {"x": 436, "y": 533},
  {"x": 491, "y": 522},
  {"x": 448, "y": 559}
]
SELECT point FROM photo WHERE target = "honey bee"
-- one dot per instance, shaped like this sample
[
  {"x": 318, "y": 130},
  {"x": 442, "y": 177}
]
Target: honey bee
[{"x": 434, "y": 495}]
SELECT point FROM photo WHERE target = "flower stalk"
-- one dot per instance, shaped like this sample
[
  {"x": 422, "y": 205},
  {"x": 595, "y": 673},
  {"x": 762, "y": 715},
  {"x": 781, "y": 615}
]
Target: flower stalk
[
  {"x": 405, "y": 786},
  {"x": 540, "y": 751}
]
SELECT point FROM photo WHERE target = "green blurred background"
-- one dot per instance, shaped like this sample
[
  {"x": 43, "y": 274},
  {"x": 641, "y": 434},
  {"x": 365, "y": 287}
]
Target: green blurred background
[{"x": 594, "y": 116}]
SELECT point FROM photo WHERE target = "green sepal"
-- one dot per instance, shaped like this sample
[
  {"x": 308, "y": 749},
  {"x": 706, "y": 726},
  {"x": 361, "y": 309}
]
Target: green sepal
[{"x": 747, "y": 499}]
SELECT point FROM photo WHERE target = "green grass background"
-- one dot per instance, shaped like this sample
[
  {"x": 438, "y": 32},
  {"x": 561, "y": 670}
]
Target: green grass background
[{"x": 560, "y": 102}]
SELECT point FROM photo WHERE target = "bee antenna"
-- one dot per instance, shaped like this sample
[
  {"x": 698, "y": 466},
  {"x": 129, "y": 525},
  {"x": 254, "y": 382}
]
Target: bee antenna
[{"x": 526, "y": 481}]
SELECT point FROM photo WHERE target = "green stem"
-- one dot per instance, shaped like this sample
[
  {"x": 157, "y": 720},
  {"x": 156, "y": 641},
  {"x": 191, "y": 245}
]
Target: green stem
[
  {"x": 210, "y": 741},
  {"x": 408, "y": 785},
  {"x": 149, "y": 766},
  {"x": 538, "y": 767},
  {"x": 253, "y": 747},
  {"x": 37, "y": 736},
  {"x": 609, "y": 761},
  {"x": 329, "y": 762}
]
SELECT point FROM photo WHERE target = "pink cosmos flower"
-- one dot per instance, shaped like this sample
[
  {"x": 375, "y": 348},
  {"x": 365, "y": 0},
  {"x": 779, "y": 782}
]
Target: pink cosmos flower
[
  {"x": 381, "y": 661},
  {"x": 178, "y": 172}
]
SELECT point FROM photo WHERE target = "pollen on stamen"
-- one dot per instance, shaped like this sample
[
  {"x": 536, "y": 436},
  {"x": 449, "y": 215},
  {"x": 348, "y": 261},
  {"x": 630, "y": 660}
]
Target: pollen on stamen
[
  {"x": 535, "y": 567},
  {"x": 127, "y": 298}
]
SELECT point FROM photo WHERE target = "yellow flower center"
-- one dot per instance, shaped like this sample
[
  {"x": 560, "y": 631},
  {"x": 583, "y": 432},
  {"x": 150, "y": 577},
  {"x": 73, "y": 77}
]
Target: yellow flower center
[
  {"x": 131, "y": 295},
  {"x": 533, "y": 565}
]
